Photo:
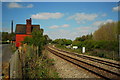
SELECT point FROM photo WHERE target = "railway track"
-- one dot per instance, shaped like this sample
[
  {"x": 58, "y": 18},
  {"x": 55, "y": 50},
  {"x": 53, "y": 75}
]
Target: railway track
[
  {"x": 101, "y": 72},
  {"x": 115, "y": 65}
]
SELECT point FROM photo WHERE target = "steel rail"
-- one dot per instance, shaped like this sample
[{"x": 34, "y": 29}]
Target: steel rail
[{"x": 106, "y": 74}]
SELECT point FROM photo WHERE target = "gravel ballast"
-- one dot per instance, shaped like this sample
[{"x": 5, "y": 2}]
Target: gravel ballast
[{"x": 68, "y": 70}]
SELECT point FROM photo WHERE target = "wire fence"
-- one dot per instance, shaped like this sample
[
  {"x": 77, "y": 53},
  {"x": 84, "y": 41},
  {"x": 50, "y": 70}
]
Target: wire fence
[{"x": 19, "y": 59}]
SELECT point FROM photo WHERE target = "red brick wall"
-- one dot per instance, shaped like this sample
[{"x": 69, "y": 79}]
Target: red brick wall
[{"x": 19, "y": 38}]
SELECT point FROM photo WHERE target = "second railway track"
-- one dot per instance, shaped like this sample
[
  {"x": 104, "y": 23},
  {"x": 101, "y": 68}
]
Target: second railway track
[
  {"x": 101, "y": 72},
  {"x": 116, "y": 65}
]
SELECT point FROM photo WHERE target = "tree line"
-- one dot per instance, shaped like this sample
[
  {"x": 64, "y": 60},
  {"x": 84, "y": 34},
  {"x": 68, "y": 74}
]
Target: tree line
[{"x": 105, "y": 39}]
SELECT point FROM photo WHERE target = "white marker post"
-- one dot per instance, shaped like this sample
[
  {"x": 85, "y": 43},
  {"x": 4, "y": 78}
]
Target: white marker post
[{"x": 83, "y": 49}]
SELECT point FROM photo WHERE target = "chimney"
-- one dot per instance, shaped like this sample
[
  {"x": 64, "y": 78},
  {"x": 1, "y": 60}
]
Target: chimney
[
  {"x": 12, "y": 26},
  {"x": 28, "y": 26}
]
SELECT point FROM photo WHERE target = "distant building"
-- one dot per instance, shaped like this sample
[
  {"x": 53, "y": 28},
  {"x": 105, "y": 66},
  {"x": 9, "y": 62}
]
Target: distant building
[
  {"x": 75, "y": 47},
  {"x": 23, "y": 30}
]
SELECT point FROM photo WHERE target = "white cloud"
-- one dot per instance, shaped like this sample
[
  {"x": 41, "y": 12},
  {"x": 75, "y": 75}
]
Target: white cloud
[
  {"x": 56, "y": 15},
  {"x": 58, "y": 26},
  {"x": 117, "y": 8},
  {"x": 54, "y": 26},
  {"x": 29, "y": 6},
  {"x": 82, "y": 17},
  {"x": 75, "y": 32},
  {"x": 17, "y": 5},
  {"x": 17, "y": 0},
  {"x": 98, "y": 23},
  {"x": 11, "y": 0},
  {"x": 65, "y": 25},
  {"x": 5, "y": 29},
  {"x": 108, "y": 21},
  {"x": 71, "y": 33},
  {"x": 104, "y": 15},
  {"x": 60, "y": 33},
  {"x": 14, "y": 5},
  {"x": 84, "y": 30}
]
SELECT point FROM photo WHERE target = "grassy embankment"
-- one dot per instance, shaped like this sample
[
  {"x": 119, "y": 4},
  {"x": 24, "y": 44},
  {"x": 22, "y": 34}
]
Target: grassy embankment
[
  {"x": 96, "y": 52},
  {"x": 39, "y": 66}
]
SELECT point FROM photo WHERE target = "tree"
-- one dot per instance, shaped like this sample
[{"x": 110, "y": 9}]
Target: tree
[
  {"x": 47, "y": 39},
  {"x": 77, "y": 43},
  {"x": 107, "y": 32},
  {"x": 38, "y": 39},
  {"x": 28, "y": 40},
  {"x": 7, "y": 36},
  {"x": 4, "y": 36},
  {"x": 84, "y": 38},
  {"x": 62, "y": 41}
]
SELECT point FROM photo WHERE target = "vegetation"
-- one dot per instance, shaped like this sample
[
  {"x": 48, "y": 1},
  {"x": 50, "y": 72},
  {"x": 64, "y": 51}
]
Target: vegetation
[
  {"x": 38, "y": 67},
  {"x": 62, "y": 41},
  {"x": 38, "y": 40},
  {"x": 103, "y": 42},
  {"x": 7, "y": 36},
  {"x": 4, "y": 36},
  {"x": 107, "y": 32}
]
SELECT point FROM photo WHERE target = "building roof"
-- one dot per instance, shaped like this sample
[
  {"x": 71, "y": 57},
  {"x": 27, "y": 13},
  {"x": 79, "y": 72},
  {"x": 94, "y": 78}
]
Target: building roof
[{"x": 21, "y": 28}]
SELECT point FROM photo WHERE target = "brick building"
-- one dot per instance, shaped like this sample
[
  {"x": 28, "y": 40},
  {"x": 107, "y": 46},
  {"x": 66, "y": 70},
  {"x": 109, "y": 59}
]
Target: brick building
[{"x": 23, "y": 30}]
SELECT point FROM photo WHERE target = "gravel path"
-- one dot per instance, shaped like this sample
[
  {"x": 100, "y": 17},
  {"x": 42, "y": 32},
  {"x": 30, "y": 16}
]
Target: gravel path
[{"x": 68, "y": 70}]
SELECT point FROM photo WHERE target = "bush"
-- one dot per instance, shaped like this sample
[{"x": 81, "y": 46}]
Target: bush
[
  {"x": 88, "y": 44},
  {"x": 107, "y": 45},
  {"x": 102, "y": 45}
]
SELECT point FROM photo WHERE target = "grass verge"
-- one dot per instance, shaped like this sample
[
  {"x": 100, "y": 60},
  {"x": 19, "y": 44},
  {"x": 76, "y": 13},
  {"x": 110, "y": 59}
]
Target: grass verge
[
  {"x": 39, "y": 67},
  {"x": 96, "y": 52}
]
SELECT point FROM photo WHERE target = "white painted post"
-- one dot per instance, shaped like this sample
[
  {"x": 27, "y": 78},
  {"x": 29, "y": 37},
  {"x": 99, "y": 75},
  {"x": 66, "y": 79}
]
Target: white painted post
[{"x": 83, "y": 49}]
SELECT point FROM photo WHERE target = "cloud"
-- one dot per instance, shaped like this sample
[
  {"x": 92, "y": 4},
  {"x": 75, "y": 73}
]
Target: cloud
[
  {"x": 16, "y": 5},
  {"x": 98, "y": 23},
  {"x": 11, "y": 0},
  {"x": 71, "y": 33},
  {"x": 60, "y": 33},
  {"x": 29, "y": 6},
  {"x": 104, "y": 15},
  {"x": 82, "y": 17},
  {"x": 84, "y": 30},
  {"x": 17, "y": 0},
  {"x": 75, "y": 32},
  {"x": 54, "y": 26},
  {"x": 5, "y": 29},
  {"x": 65, "y": 25},
  {"x": 45, "y": 16},
  {"x": 117, "y": 8},
  {"x": 57, "y": 26}
]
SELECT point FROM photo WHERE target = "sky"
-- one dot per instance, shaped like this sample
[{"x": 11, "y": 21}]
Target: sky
[
  {"x": 60, "y": 19},
  {"x": 59, "y": 0}
]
